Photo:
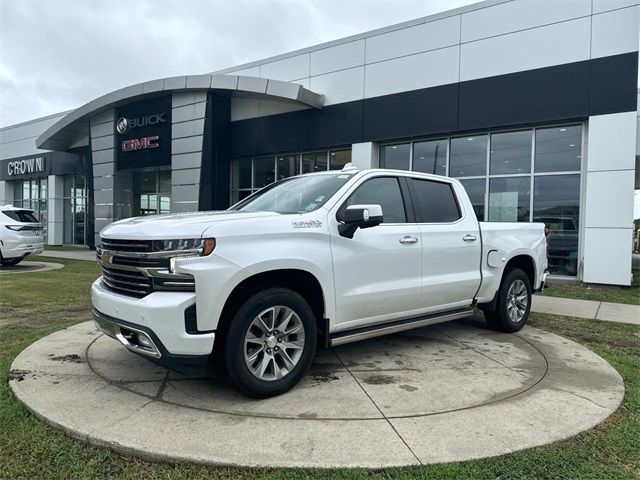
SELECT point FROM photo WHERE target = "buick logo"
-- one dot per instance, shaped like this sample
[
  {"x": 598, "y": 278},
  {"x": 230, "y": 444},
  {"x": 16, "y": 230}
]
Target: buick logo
[{"x": 122, "y": 125}]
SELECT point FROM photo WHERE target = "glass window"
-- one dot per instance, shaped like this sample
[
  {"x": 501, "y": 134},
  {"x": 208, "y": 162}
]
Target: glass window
[
  {"x": 241, "y": 174},
  {"x": 314, "y": 162},
  {"x": 21, "y": 216},
  {"x": 468, "y": 157},
  {"x": 475, "y": 188},
  {"x": 263, "y": 171},
  {"x": 287, "y": 166},
  {"x": 510, "y": 153},
  {"x": 430, "y": 157},
  {"x": 395, "y": 156},
  {"x": 435, "y": 202},
  {"x": 509, "y": 199},
  {"x": 558, "y": 149},
  {"x": 383, "y": 191},
  {"x": 556, "y": 203},
  {"x": 164, "y": 181},
  {"x": 295, "y": 195},
  {"x": 338, "y": 159}
]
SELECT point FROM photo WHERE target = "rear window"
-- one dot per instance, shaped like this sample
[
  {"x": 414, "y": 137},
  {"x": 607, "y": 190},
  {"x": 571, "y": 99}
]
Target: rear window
[
  {"x": 435, "y": 202},
  {"x": 24, "y": 216}
]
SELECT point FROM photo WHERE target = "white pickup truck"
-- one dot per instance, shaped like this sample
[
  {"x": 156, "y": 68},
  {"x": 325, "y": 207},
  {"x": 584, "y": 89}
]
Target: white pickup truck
[{"x": 313, "y": 260}]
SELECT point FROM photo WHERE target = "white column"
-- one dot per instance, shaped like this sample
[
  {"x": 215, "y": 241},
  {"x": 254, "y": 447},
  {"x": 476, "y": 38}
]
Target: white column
[
  {"x": 608, "y": 199},
  {"x": 55, "y": 205},
  {"x": 6, "y": 192},
  {"x": 365, "y": 155}
]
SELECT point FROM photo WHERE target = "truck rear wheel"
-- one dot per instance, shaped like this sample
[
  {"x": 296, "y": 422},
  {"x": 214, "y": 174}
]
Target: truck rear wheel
[
  {"x": 514, "y": 302},
  {"x": 270, "y": 343}
]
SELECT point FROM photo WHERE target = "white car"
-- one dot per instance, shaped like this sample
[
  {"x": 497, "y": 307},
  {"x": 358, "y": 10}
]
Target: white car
[
  {"x": 20, "y": 235},
  {"x": 315, "y": 260}
]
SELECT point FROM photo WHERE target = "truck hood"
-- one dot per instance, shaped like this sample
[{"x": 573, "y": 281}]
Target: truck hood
[{"x": 178, "y": 225}]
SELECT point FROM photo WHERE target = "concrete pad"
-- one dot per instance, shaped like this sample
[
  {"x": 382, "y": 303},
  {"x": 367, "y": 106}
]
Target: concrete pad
[
  {"x": 444, "y": 393},
  {"x": 618, "y": 312},
  {"x": 79, "y": 254},
  {"x": 29, "y": 267},
  {"x": 564, "y": 306}
]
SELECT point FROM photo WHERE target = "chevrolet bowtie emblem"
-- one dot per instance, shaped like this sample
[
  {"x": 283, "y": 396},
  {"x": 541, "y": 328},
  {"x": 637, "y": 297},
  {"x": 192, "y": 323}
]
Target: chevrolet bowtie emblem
[{"x": 104, "y": 258}]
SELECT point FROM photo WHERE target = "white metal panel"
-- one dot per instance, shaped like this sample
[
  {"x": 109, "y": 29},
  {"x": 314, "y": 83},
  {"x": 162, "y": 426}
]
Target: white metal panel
[
  {"x": 429, "y": 69},
  {"x": 607, "y": 256},
  {"x": 286, "y": 69},
  {"x": 338, "y": 57},
  {"x": 536, "y": 48},
  {"x": 615, "y": 32},
  {"x": 612, "y": 142},
  {"x": 600, "y": 6},
  {"x": 243, "y": 108},
  {"x": 19, "y": 148},
  {"x": 28, "y": 129},
  {"x": 609, "y": 199},
  {"x": 519, "y": 15},
  {"x": 338, "y": 87},
  {"x": 274, "y": 107},
  {"x": 416, "y": 39}
]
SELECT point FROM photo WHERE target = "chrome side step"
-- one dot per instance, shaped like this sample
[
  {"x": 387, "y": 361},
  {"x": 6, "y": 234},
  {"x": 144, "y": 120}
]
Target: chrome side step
[{"x": 377, "y": 330}]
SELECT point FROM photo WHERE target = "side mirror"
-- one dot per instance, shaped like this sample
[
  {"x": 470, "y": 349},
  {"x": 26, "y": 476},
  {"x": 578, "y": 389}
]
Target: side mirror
[{"x": 359, "y": 216}]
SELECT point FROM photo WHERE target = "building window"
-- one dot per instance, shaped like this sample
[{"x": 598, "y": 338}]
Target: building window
[
  {"x": 74, "y": 210},
  {"x": 32, "y": 194},
  {"x": 430, "y": 157},
  {"x": 510, "y": 153},
  {"x": 556, "y": 203},
  {"x": 152, "y": 192},
  {"x": 468, "y": 156},
  {"x": 249, "y": 175},
  {"x": 397, "y": 157},
  {"x": 511, "y": 176}
]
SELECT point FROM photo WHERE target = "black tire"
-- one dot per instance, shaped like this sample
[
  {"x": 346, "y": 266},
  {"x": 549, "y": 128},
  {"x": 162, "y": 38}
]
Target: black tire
[
  {"x": 234, "y": 363},
  {"x": 500, "y": 319}
]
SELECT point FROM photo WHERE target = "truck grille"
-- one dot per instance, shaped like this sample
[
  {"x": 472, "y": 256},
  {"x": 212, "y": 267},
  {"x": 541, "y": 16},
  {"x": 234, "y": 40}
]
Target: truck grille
[
  {"x": 128, "y": 270},
  {"x": 126, "y": 281}
]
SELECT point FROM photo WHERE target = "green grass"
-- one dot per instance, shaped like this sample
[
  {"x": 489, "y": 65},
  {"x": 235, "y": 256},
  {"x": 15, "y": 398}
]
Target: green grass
[
  {"x": 36, "y": 304},
  {"x": 592, "y": 291}
]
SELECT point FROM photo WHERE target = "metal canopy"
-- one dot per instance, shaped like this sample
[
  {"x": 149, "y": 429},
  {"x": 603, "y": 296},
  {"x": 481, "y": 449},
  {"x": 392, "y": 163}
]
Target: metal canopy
[{"x": 75, "y": 125}]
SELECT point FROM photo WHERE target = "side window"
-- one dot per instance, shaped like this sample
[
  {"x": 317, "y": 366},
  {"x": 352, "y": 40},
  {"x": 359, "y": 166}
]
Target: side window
[
  {"x": 383, "y": 191},
  {"x": 435, "y": 202}
]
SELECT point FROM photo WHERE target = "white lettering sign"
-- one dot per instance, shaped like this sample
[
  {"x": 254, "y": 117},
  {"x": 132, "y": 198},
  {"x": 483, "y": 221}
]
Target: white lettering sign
[{"x": 28, "y": 165}]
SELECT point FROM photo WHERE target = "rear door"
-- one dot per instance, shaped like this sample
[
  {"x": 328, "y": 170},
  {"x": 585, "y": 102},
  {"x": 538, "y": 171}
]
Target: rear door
[
  {"x": 377, "y": 272},
  {"x": 451, "y": 245}
]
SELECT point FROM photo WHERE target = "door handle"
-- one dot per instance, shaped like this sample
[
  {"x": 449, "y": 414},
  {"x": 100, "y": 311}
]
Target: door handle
[
  {"x": 407, "y": 240},
  {"x": 469, "y": 238}
]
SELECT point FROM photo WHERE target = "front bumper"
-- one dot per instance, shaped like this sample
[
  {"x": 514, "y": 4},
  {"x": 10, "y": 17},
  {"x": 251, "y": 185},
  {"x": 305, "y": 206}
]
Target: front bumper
[
  {"x": 144, "y": 342},
  {"x": 160, "y": 316}
]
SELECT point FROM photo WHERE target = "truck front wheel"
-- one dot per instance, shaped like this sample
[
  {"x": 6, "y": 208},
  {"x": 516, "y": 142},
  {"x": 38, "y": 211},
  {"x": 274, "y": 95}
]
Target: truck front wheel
[
  {"x": 270, "y": 343},
  {"x": 513, "y": 303}
]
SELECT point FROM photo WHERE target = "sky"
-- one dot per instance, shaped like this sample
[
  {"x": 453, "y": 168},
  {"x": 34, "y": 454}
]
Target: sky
[{"x": 56, "y": 55}]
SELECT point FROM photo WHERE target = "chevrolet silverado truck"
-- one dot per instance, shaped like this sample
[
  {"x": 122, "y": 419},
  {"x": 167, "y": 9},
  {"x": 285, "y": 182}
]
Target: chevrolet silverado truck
[{"x": 314, "y": 260}]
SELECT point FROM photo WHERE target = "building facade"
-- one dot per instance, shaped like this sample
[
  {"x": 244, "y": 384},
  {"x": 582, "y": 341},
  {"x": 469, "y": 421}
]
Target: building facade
[{"x": 531, "y": 104}]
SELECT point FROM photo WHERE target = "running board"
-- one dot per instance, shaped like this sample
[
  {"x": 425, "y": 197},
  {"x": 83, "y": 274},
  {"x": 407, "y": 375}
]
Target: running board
[{"x": 363, "y": 333}]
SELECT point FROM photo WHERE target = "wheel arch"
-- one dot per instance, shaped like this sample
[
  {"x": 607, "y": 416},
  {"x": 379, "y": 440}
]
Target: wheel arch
[{"x": 524, "y": 262}]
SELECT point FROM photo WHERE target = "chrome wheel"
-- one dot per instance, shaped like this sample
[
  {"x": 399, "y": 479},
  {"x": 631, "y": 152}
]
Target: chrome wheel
[
  {"x": 517, "y": 301},
  {"x": 273, "y": 343}
]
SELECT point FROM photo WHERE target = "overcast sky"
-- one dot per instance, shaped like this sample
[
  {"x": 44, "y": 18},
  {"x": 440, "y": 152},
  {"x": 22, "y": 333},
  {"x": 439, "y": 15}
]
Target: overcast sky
[{"x": 59, "y": 54}]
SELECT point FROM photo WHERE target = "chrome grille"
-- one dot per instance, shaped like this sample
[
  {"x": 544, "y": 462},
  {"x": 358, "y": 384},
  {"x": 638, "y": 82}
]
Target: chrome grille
[{"x": 131, "y": 267}]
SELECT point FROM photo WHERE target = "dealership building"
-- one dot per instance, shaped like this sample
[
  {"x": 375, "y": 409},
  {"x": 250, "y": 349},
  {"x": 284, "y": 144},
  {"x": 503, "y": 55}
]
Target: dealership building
[{"x": 532, "y": 105}]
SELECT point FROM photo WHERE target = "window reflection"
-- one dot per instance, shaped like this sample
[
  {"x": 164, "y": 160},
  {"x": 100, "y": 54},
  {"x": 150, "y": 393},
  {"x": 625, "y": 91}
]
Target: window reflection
[
  {"x": 509, "y": 199},
  {"x": 510, "y": 152},
  {"x": 395, "y": 156},
  {"x": 468, "y": 156},
  {"x": 475, "y": 189},
  {"x": 558, "y": 149},
  {"x": 430, "y": 157}
]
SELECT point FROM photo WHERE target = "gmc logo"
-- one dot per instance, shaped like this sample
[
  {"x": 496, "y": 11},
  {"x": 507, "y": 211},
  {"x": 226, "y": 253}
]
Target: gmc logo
[{"x": 140, "y": 143}]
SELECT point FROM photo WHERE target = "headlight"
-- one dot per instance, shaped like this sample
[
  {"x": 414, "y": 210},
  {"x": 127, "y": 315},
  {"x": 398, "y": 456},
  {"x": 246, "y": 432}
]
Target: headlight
[{"x": 194, "y": 246}]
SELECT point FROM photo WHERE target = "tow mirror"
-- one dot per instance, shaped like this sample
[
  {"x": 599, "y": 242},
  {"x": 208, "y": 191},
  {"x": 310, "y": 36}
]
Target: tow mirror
[{"x": 359, "y": 216}]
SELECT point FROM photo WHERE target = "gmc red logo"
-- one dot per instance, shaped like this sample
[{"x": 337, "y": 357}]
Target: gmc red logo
[{"x": 140, "y": 143}]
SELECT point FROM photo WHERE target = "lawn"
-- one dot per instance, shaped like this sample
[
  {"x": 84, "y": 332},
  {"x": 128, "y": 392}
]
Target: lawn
[
  {"x": 592, "y": 291},
  {"x": 36, "y": 304}
]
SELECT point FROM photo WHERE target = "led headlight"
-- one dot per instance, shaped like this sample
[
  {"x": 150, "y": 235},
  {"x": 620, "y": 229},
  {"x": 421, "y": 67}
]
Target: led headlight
[{"x": 195, "y": 246}]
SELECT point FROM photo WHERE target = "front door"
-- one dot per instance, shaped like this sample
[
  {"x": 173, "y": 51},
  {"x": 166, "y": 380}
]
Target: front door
[{"x": 377, "y": 272}]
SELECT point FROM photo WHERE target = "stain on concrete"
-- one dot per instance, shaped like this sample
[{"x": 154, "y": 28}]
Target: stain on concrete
[
  {"x": 408, "y": 388},
  {"x": 324, "y": 377},
  {"x": 73, "y": 357},
  {"x": 379, "y": 380},
  {"x": 18, "y": 375}
]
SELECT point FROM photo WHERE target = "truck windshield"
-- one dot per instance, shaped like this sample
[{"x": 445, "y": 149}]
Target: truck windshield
[{"x": 294, "y": 195}]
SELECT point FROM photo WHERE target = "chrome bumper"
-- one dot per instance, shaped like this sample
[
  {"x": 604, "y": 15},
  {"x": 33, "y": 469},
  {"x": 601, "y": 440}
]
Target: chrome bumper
[{"x": 132, "y": 338}]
